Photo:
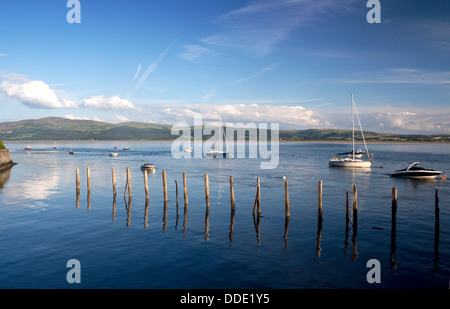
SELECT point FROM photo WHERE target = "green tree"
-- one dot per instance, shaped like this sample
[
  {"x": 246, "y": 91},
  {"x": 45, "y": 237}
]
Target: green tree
[{"x": 1, "y": 145}]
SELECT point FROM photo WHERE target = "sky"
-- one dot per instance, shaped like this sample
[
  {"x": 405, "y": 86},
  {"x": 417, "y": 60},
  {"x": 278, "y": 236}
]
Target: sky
[{"x": 292, "y": 62}]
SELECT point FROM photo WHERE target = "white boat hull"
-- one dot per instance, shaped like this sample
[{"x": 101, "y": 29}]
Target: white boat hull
[{"x": 355, "y": 163}]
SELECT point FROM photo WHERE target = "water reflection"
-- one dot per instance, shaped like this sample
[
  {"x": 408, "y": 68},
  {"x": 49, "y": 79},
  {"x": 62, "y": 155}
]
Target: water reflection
[{"x": 4, "y": 177}]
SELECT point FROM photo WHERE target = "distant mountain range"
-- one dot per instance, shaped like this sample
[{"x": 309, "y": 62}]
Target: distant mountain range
[{"x": 55, "y": 128}]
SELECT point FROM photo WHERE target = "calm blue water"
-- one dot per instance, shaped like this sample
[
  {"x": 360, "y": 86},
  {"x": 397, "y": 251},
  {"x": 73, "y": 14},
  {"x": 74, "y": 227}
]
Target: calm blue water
[{"x": 41, "y": 227}]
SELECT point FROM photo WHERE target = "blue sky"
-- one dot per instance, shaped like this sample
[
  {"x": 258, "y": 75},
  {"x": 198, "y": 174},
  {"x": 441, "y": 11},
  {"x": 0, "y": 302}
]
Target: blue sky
[{"x": 294, "y": 62}]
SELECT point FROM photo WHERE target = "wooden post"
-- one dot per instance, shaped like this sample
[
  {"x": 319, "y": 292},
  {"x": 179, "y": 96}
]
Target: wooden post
[
  {"x": 78, "y": 181},
  {"x": 207, "y": 189},
  {"x": 286, "y": 198},
  {"x": 89, "y": 187},
  {"x": 232, "y": 193},
  {"x": 78, "y": 187},
  {"x": 146, "y": 185},
  {"x": 176, "y": 190},
  {"x": 113, "y": 176},
  {"x": 130, "y": 194},
  {"x": 164, "y": 185},
  {"x": 89, "y": 180},
  {"x": 355, "y": 223},
  {"x": 257, "y": 198},
  {"x": 320, "y": 199},
  {"x": 185, "y": 189}
]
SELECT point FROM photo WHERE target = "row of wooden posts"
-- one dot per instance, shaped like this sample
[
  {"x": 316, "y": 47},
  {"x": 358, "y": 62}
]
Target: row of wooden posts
[{"x": 257, "y": 203}]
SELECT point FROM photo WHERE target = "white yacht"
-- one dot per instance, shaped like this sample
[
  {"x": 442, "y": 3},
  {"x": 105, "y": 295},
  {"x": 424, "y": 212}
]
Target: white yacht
[{"x": 353, "y": 158}]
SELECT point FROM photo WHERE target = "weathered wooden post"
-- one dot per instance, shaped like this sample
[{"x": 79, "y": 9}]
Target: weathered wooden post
[
  {"x": 77, "y": 182},
  {"x": 257, "y": 204},
  {"x": 164, "y": 185},
  {"x": 128, "y": 185},
  {"x": 176, "y": 190},
  {"x": 207, "y": 189},
  {"x": 146, "y": 186},
  {"x": 185, "y": 189},
  {"x": 286, "y": 198},
  {"x": 355, "y": 223},
  {"x": 113, "y": 176},
  {"x": 89, "y": 187},
  {"x": 320, "y": 199},
  {"x": 232, "y": 193}
]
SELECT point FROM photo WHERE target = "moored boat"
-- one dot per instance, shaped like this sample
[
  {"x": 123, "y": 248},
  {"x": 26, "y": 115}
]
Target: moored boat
[
  {"x": 414, "y": 171},
  {"x": 113, "y": 154},
  {"x": 353, "y": 158},
  {"x": 148, "y": 166}
]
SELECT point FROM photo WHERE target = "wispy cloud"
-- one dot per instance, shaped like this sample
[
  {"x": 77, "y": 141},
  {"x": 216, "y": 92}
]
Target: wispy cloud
[
  {"x": 153, "y": 65},
  {"x": 209, "y": 95},
  {"x": 4, "y": 55},
  {"x": 400, "y": 76},
  {"x": 137, "y": 72},
  {"x": 260, "y": 73},
  {"x": 260, "y": 26}
]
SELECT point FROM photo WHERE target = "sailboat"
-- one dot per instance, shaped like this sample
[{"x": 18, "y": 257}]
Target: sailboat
[
  {"x": 70, "y": 149},
  {"x": 219, "y": 153},
  {"x": 353, "y": 158}
]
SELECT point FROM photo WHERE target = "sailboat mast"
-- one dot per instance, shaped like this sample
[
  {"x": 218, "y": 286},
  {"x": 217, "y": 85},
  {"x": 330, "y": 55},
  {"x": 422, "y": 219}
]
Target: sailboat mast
[{"x": 353, "y": 130}]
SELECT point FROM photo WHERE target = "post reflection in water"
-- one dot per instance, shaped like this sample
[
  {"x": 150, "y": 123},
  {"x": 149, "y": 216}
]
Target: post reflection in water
[
  {"x": 230, "y": 235},
  {"x": 165, "y": 217},
  {"x": 436, "y": 232},
  {"x": 286, "y": 230},
  {"x": 256, "y": 222},
  {"x": 319, "y": 236}
]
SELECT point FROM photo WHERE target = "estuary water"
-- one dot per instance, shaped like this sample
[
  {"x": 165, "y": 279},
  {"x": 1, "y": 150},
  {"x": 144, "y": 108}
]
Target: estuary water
[{"x": 176, "y": 247}]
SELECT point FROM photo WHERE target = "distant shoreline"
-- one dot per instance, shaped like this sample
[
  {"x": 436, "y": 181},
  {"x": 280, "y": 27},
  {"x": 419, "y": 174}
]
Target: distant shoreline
[{"x": 282, "y": 141}]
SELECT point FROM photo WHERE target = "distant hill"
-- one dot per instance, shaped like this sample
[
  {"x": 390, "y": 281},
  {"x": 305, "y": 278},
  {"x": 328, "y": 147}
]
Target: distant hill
[{"x": 55, "y": 128}]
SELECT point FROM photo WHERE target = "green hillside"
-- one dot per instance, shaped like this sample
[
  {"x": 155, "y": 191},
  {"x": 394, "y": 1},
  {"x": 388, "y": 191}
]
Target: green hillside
[{"x": 55, "y": 128}]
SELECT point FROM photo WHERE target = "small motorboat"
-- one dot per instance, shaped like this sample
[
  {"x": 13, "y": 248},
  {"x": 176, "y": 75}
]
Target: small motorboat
[
  {"x": 148, "y": 167},
  {"x": 414, "y": 171},
  {"x": 189, "y": 149},
  {"x": 28, "y": 147},
  {"x": 113, "y": 154},
  {"x": 116, "y": 147},
  {"x": 127, "y": 148}
]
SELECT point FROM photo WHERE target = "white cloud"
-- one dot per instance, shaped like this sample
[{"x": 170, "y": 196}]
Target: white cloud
[
  {"x": 286, "y": 116},
  {"x": 411, "y": 122},
  {"x": 4, "y": 55},
  {"x": 35, "y": 94},
  {"x": 101, "y": 102},
  {"x": 121, "y": 118}
]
